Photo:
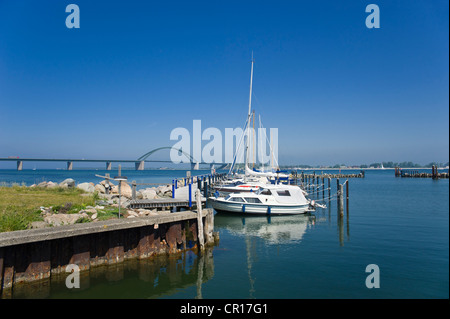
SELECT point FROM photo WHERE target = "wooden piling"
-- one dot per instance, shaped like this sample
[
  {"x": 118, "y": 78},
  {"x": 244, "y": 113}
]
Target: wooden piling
[
  {"x": 433, "y": 172},
  {"x": 323, "y": 188},
  {"x": 133, "y": 189},
  {"x": 346, "y": 193},
  {"x": 107, "y": 185},
  {"x": 205, "y": 188},
  {"x": 341, "y": 200},
  {"x": 200, "y": 236},
  {"x": 317, "y": 186},
  {"x": 329, "y": 188}
]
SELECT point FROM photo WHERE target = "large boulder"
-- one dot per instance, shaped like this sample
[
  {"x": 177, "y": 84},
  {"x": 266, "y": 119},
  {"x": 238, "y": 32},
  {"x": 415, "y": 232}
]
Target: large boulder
[
  {"x": 125, "y": 189},
  {"x": 104, "y": 182},
  {"x": 67, "y": 183},
  {"x": 148, "y": 193},
  {"x": 62, "y": 219},
  {"x": 100, "y": 188},
  {"x": 51, "y": 185},
  {"x": 87, "y": 187},
  {"x": 164, "y": 190}
]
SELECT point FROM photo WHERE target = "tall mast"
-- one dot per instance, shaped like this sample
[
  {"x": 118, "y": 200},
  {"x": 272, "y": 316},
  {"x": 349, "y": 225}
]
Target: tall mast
[
  {"x": 250, "y": 97},
  {"x": 254, "y": 140},
  {"x": 248, "y": 117}
]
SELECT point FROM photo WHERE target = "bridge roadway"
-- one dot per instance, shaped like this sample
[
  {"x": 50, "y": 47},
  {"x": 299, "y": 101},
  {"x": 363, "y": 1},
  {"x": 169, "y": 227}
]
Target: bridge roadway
[{"x": 139, "y": 164}]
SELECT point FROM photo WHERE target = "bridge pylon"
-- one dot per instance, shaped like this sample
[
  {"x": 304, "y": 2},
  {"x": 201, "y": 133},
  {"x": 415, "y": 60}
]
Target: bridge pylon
[{"x": 139, "y": 166}]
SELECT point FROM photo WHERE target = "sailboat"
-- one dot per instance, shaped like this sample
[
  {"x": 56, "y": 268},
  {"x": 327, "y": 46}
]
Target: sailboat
[{"x": 261, "y": 197}]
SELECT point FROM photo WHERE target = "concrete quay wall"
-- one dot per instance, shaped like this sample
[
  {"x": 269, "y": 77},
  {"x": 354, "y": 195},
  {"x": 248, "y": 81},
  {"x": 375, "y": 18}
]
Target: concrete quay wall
[{"x": 36, "y": 254}]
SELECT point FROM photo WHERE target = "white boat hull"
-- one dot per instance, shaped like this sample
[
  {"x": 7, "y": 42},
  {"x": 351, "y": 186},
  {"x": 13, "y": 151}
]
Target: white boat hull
[{"x": 249, "y": 208}]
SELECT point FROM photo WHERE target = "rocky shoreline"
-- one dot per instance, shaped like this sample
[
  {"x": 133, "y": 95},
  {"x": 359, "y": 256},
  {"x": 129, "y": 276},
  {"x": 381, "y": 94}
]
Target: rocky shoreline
[{"x": 106, "y": 204}]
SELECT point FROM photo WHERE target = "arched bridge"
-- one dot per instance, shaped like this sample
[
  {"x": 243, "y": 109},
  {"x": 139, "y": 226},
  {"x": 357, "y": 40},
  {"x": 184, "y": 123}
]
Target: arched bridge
[
  {"x": 146, "y": 155},
  {"x": 194, "y": 164},
  {"x": 139, "y": 163}
]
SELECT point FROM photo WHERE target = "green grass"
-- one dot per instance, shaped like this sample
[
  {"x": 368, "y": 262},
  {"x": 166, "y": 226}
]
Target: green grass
[
  {"x": 109, "y": 213},
  {"x": 19, "y": 205}
]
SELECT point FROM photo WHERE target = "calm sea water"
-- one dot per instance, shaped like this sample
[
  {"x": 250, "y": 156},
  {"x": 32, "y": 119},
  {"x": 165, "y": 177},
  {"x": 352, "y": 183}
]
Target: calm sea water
[{"x": 399, "y": 224}]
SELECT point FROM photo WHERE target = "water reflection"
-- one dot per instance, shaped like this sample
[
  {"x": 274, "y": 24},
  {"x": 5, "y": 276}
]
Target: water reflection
[
  {"x": 284, "y": 229},
  {"x": 154, "y": 277},
  {"x": 274, "y": 230}
]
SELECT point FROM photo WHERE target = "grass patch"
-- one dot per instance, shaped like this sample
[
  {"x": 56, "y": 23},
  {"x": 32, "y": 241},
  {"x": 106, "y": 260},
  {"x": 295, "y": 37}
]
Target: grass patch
[
  {"x": 108, "y": 213},
  {"x": 19, "y": 205}
]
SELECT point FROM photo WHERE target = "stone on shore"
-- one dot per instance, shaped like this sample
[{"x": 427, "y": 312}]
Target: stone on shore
[
  {"x": 164, "y": 191},
  {"x": 125, "y": 189},
  {"x": 52, "y": 185},
  {"x": 100, "y": 188},
  {"x": 62, "y": 219},
  {"x": 132, "y": 213},
  {"x": 87, "y": 187},
  {"x": 148, "y": 193},
  {"x": 38, "y": 225},
  {"x": 103, "y": 182},
  {"x": 67, "y": 183}
]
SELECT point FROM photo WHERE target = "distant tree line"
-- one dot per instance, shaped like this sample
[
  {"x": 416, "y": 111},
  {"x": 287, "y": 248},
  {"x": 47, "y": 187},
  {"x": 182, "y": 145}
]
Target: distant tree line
[{"x": 375, "y": 165}]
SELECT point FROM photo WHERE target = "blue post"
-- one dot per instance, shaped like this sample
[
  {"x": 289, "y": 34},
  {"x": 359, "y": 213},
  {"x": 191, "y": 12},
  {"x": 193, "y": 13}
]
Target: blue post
[
  {"x": 173, "y": 188},
  {"x": 190, "y": 195}
]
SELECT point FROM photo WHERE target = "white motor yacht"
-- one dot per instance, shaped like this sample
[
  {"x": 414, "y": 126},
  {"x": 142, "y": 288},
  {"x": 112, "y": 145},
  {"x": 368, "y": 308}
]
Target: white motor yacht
[{"x": 268, "y": 199}]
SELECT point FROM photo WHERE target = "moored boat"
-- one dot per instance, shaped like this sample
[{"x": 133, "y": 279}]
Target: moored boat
[{"x": 269, "y": 199}]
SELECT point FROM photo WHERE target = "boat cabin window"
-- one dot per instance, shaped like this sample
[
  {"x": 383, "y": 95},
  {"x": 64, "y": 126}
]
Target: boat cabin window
[
  {"x": 253, "y": 200},
  {"x": 264, "y": 191},
  {"x": 283, "y": 193},
  {"x": 236, "y": 199}
]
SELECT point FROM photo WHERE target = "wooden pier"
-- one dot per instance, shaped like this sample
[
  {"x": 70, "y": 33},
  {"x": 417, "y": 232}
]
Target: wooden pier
[
  {"x": 400, "y": 172},
  {"x": 307, "y": 180},
  {"x": 162, "y": 203}
]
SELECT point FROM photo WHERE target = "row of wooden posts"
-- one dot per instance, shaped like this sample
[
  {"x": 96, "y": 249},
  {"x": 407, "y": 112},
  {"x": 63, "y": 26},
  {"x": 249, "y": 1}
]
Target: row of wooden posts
[
  {"x": 399, "y": 172},
  {"x": 309, "y": 184}
]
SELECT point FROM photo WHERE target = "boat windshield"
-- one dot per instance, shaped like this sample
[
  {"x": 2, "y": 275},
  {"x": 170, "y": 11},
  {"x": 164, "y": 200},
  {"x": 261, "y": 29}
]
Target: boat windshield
[
  {"x": 253, "y": 200},
  {"x": 234, "y": 199},
  {"x": 263, "y": 191}
]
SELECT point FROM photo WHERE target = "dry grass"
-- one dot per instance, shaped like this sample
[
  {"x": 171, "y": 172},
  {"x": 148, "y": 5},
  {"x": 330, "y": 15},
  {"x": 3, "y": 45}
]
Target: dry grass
[{"x": 19, "y": 205}]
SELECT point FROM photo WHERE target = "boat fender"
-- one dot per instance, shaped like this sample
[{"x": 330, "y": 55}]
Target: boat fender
[
  {"x": 313, "y": 203},
  {"x": 243, "y": 208}
]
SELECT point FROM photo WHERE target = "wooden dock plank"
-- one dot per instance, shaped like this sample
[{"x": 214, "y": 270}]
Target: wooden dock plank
[{"x": 161, "y": 202}]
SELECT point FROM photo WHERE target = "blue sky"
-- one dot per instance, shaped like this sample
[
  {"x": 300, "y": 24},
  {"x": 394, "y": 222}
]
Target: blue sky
[{"x": 337, "y": 91}]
